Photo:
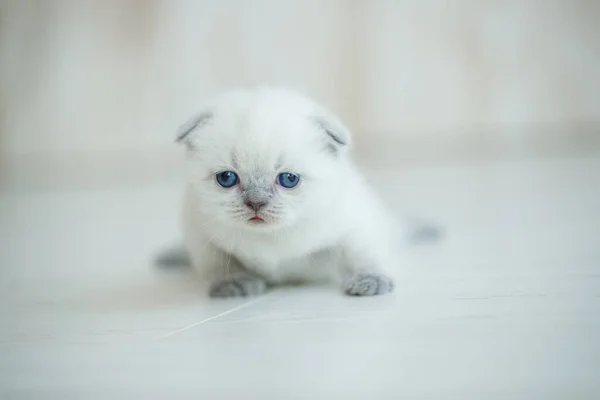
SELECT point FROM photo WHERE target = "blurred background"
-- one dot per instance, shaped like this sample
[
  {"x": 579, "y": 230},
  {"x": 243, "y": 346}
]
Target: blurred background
[{"x": 91, "y": 77}]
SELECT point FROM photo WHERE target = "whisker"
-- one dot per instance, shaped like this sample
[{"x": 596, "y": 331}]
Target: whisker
[
  {"x": 209, "y": 241},
  {"x": 207, "y": 222},
  {"x": 229, "y": 253}
]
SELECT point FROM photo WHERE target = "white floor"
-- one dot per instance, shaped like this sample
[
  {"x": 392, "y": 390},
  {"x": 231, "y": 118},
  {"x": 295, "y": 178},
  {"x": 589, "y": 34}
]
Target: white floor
[{"x": 506, "y": 306}]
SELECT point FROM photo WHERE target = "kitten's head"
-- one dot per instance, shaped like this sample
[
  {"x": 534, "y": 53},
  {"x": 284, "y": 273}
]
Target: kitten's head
[{"x": 264, "y": 158}]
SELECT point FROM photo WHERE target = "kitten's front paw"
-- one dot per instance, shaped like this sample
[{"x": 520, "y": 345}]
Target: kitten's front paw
[
  {"x": 238, "y": 286},
  {"x": 369, "y": 284}
]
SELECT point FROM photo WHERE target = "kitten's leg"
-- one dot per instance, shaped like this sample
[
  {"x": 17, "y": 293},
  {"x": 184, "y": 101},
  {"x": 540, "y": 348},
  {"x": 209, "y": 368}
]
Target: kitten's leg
[
  {"x": 239, "y": 283},
  {"x": 233, "y": 280},
  {"x": 368, "y": 283},
  {"x": 363, "y": 264},
  {"x": 226, "y": 275}
]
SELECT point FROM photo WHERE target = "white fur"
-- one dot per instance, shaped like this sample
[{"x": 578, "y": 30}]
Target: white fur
[{"x": 330, "y": 225}]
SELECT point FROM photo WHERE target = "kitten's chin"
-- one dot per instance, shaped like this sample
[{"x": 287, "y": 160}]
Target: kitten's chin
[{"x": 260, "y": 224}]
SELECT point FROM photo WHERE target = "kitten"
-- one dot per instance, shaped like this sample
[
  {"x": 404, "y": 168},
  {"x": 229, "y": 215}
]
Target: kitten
[{"x": 273, "y": 197}]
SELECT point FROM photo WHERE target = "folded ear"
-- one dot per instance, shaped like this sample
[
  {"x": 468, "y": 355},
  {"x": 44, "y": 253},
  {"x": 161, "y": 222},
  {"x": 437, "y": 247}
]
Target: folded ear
[
  {"x": 199, "y": 120},
  {"x": 337, "y": 136}
]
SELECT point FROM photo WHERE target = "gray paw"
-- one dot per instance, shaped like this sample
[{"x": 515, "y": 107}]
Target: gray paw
[
  {"x": 238, "y": 286},
  {"x": 369, "y": 284}
]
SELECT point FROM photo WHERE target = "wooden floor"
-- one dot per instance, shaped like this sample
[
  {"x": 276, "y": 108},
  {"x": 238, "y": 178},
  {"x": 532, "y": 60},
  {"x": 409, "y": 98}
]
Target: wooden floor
[{"x": 505, "y": 306}]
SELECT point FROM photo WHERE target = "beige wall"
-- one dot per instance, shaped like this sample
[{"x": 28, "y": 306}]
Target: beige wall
[{"x": 108, "y": 75}]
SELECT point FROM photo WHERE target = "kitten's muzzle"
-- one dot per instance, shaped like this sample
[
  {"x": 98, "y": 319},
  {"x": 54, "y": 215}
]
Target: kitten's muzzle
[
  {"x": 256, "y": 197},
  {"x": 255, "y": 205}
]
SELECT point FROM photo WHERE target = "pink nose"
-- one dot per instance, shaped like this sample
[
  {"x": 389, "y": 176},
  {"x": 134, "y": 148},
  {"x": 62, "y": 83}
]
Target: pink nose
[{"x": 254, "y": 205}]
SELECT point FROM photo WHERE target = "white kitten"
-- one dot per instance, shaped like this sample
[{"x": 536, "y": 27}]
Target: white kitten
[{"x": 273, "y": 197}]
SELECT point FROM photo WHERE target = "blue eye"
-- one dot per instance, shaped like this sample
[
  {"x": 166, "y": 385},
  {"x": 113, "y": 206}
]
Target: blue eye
[
  {"x": 227, "y": 179},
  {"x": 288, "y": 180}
]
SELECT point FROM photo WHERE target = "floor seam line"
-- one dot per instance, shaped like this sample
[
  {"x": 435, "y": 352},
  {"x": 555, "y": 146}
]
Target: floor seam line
[{"x": 216, "y": 316}]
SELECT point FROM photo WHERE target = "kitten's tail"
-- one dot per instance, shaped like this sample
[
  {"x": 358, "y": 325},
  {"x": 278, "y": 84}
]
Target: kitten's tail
[
  {"x": 174, "y": 257},
  {"x": 420, "y": 232}
]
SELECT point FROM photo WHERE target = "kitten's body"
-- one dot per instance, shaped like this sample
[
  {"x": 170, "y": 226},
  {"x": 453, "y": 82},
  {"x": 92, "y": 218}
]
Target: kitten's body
[{"x": 331, "y": 225}]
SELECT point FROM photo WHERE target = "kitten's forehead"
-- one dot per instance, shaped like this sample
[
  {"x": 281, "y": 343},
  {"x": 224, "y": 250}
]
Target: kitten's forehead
[
  {"x": 264, "y": 128},
  {"x": 256, "y": 159},
  {"x": 267, "y": 124},
  {"x": 263, "y": 132}
]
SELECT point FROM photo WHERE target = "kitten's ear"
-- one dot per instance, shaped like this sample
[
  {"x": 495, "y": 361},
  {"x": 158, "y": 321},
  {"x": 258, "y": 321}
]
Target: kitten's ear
[
  {"x": 337, "y": 136},
  {"x": 199, "y": 120}
]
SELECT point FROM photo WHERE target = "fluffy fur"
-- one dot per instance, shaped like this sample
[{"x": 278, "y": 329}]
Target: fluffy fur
[{"x": 329, "y": 226}]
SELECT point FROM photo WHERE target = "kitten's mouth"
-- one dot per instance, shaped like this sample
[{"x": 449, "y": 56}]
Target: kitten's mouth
[{"x": 256, "y": 219}]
